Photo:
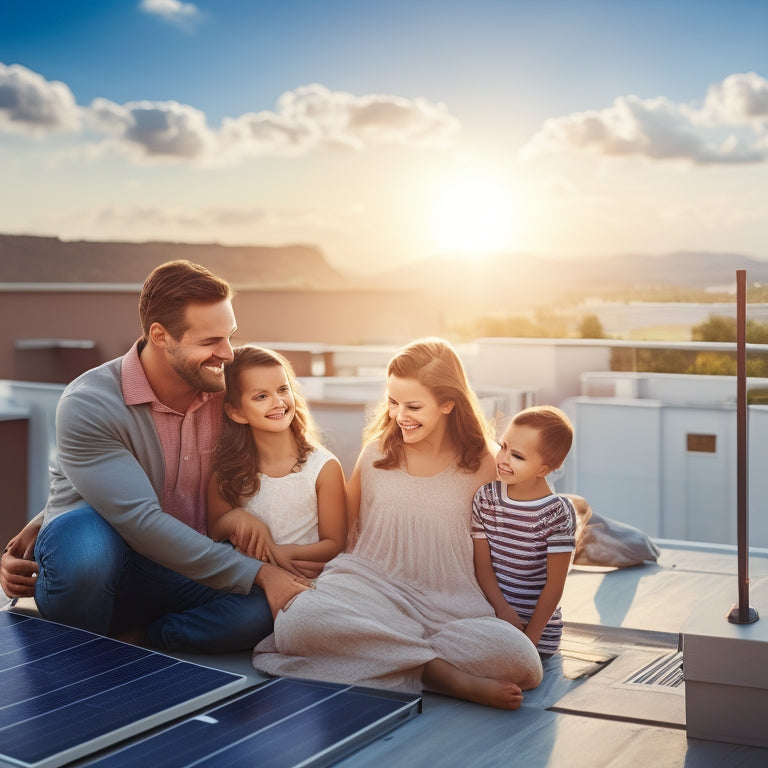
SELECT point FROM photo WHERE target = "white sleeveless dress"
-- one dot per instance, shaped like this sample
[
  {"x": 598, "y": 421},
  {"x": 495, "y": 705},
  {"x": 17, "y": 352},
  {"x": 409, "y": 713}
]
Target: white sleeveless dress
[
  {"x": 405, "y": 595},
  {"x": 288, "y": 505}
]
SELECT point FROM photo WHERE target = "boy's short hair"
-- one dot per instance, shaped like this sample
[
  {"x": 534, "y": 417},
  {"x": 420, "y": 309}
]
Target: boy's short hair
[
  {"x": 171, "y": 288},
  {"x": 555, "y": 432}
]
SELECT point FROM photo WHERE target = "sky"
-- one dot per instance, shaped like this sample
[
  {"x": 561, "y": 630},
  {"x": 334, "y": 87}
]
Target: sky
[{"x": 388, "y": 132}]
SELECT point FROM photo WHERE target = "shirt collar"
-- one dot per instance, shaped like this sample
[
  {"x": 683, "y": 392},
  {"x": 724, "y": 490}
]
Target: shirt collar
[{"x": 137, "y": 389}]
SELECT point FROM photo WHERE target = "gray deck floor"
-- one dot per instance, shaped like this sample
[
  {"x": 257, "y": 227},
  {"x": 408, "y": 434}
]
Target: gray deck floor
[
  {"x": 583, "y": 714},
  {"x": 590, "y": 721}
]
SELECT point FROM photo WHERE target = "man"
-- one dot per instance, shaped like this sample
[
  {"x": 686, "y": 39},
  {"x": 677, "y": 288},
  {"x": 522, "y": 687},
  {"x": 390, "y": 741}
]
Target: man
[{"x": 120, "y": 546}]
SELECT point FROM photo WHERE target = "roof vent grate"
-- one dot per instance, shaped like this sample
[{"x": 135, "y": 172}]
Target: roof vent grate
[{"x": 666, "y": 670}]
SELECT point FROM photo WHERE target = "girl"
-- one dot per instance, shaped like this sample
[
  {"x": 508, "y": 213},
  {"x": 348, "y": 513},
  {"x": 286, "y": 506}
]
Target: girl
[
  {"x": 402, "y": 609},
  {"x": 275, "y": 493}
]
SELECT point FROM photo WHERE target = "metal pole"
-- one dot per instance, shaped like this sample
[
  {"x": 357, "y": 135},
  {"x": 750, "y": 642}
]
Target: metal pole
[{"x": 742, "y": 613}]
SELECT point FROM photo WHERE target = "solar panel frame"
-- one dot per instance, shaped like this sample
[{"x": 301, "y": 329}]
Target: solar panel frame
[{"x": 66, "y": 693}]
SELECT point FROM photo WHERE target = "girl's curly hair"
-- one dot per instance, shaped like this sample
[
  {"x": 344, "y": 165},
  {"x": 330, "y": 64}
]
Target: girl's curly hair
[{"x": 236, "y": 458}]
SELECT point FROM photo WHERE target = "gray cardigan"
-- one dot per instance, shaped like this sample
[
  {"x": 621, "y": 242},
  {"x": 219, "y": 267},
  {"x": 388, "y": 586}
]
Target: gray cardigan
[{"x": 109, "y": 454}]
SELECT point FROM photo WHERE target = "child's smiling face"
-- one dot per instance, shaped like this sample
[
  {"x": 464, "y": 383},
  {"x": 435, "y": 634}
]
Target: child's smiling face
[
  {"x": 518, "y": 461},
  {"x": 267, "y": 401}
]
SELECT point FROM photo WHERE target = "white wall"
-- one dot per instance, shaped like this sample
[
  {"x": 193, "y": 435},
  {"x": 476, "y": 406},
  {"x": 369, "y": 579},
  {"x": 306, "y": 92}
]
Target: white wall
[
  {"x": 38, "y": 403},
  {"x": 616, "y": 459},
  {"x": 699, "y": 488},
  {"x": 548, "y": 367},
  {"x": 758, "y": 475},
  {"x": 631, "y": 461}
]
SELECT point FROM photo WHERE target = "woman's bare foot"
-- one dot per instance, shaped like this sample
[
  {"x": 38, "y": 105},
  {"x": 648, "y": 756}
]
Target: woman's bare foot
[{"x": 441, "y": 677}]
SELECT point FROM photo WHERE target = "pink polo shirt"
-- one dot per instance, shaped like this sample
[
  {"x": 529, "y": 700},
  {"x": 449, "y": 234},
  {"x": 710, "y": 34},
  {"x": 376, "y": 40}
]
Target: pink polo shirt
[{"x": 187, "y": 440}]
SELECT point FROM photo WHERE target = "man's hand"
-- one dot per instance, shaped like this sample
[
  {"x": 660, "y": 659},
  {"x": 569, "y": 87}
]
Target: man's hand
[
  {"x": 18, "y": 571},
  {"x": 279, "y": 586}
]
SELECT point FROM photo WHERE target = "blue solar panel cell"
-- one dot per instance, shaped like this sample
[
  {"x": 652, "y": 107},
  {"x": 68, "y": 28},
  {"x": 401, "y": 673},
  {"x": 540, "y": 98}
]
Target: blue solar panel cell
[
  {"x": 320, "y": 736},
  {"x": 280, "y": 724},
  {"x": 218, "y": 730},
  {"x": 25, "y": 640},
  {"x": 66, "y": 693}
]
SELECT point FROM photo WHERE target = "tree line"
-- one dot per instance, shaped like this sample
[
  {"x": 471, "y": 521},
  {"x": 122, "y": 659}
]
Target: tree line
[{"x": 716, "y": 328}]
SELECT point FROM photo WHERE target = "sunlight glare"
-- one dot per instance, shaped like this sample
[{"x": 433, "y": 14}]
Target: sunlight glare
[{"x": 474, "y": 217}]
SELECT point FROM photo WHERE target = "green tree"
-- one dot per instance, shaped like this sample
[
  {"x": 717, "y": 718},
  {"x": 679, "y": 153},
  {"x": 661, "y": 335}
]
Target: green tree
[
  {"x": 591, "y": 328},
  {"x": 714, "y": 364},
  {"x": 719, "y": 328},
  {"x": 715, "y": 328},
  {"x": 551, "y": 325},
  {"x": 756, "y": 332}
]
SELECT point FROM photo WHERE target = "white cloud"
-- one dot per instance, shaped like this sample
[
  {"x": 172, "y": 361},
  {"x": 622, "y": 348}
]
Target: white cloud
[
  {"x": 232, "y": 225},
  {"x": 739, "y": 99},
  {"x": 312, "y": 115},
  {"x": 30, "y": 103},
  {"x": 418, "y": 122},
  {"x": 183, "y": 15},
  {"x": 306, "y": 118},
  {"x": 729, "y": 128},
  {"x": 265, "y": 132},
  {"x": 154, "y": 129}
]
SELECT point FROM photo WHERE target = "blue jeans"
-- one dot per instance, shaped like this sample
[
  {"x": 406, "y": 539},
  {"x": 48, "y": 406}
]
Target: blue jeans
[{"x": 90, "y": 578}]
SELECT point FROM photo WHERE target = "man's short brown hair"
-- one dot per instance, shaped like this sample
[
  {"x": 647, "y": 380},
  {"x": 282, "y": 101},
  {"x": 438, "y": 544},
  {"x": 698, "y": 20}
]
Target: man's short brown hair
[{"x": 171, "y": 288}]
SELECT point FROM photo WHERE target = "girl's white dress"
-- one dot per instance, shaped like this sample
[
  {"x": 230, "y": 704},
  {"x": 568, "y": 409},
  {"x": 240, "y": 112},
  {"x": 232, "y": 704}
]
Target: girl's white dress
[
  {"x": 404, "y": 595},
  {"x": 288, "y": 505}
]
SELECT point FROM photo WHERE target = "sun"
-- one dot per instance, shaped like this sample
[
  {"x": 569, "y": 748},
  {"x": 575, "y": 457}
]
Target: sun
[{"x": 474, "y": 216}]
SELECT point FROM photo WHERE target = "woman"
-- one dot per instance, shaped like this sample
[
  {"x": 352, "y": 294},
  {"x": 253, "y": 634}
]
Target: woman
[{"x": 402, "y": 608}]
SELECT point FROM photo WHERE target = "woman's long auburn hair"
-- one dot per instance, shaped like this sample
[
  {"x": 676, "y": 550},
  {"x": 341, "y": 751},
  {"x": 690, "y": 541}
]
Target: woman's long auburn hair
[
  {"x": 236, "y": 457},
  {"x": 435, "y": 365}
]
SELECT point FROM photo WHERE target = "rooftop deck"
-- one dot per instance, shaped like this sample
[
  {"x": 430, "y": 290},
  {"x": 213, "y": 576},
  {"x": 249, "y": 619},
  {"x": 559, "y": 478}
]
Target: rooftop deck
[
  {"x": 585, "y": 713},
  {"x": 582, "y": 714}
]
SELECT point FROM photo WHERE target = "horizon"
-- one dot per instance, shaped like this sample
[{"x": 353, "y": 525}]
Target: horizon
[
  {"x": 388, "y": 135},
  {"x": 493, "y": 261}
]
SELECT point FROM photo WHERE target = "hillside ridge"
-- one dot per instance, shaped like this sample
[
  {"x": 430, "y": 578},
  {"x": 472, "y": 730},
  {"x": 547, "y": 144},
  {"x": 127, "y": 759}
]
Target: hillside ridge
[{"x": 30, "y": 259}]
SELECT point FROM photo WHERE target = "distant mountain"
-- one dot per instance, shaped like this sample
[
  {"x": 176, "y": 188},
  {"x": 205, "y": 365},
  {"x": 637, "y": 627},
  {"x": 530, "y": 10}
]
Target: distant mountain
[
  {"x": 507, "y": 283},
  {"x": 499, "y": 284},
  {"x": 27, "y": 259},
  {"x": 690, "y": 269}
]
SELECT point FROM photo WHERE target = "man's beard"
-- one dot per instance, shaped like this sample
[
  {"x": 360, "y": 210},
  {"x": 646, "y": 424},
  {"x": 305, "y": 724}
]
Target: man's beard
[{"x": 195, "y": 374}]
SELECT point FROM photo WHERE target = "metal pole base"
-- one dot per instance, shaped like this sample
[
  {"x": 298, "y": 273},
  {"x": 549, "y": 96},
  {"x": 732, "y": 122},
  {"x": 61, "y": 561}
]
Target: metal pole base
[{"x": 749, "y": 617}]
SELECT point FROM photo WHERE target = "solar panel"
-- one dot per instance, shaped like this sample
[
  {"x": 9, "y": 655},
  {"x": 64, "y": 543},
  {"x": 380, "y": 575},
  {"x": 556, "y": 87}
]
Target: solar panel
[
  {"x": 66, "y": 693},
  {"x": 283, "y": 723}
]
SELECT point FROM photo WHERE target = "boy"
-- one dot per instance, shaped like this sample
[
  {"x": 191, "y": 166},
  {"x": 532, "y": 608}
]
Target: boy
[{"x": 523, "y": 532}]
